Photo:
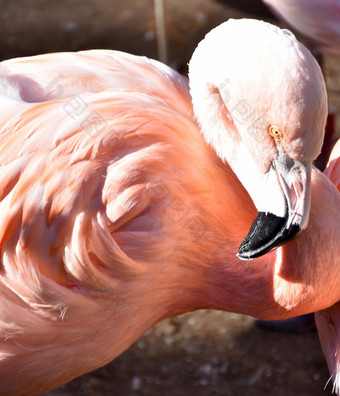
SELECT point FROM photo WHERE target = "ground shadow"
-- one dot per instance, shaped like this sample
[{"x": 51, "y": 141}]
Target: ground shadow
[{"x": 211, "y": 353}]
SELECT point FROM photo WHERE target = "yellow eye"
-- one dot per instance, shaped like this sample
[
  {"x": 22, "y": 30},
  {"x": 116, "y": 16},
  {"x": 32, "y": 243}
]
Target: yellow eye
[{"x": 275, "y": 132}]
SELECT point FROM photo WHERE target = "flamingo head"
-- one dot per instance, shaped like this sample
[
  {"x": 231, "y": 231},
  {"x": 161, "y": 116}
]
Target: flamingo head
[{"x": 260, "y": 98}]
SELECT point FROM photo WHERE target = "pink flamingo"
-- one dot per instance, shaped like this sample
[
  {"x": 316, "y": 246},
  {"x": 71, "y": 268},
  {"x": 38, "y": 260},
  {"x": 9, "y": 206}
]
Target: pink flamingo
[
  {"x": 328, "y": 321},
  {"x": 116, "y": 213},
  {"x": 317, "y": 20},
  {"x": 333, "y": 168}
]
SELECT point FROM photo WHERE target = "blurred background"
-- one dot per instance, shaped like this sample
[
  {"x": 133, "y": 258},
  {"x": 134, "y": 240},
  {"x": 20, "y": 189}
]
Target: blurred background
[{"x": 201, "y": 353}]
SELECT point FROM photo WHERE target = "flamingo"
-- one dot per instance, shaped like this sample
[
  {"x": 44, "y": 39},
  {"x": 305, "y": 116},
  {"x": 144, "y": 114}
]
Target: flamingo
[
  {"x": 126, "y": 193},
  {"x": 317, "y": 20},
  {"x": 328, "y": 320},
  {"x": 333, "y": 167}
]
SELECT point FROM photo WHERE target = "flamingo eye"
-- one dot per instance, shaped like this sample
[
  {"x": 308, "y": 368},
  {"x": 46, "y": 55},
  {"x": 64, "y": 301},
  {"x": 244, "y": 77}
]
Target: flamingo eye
[{"x": 275, "y": 132}]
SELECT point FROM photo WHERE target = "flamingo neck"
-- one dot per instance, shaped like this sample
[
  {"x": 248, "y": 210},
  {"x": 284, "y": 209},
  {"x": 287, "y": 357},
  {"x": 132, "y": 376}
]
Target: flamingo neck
[{"x": 286, "y": 282}]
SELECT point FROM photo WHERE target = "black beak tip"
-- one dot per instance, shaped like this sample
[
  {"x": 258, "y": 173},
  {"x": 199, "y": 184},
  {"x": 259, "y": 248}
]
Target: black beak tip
[{"x": 267, "y": 232}]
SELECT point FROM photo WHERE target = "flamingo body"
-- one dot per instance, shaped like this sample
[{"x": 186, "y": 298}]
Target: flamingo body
[
  {"x": 328, "y": 321},
  {"x": 317, "y": 20},
  {"x": 333, "y": 167},
  {"x": 116, "y": 213},
  {"x": 82, "y": 211}
]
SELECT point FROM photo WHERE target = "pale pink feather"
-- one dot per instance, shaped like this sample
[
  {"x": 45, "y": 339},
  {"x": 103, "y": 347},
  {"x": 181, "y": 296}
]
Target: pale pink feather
[
  {"x": 116, "y": 214},
  {"x": 333, "y": 167},
  {"x": 328, "y": 321}
]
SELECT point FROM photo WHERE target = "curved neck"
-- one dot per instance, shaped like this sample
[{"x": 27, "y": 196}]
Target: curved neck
[{"x": 297, "y": 278}]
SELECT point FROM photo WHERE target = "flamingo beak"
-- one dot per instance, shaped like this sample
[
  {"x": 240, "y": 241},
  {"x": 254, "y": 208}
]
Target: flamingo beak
[{"x": 285, "y": 207}]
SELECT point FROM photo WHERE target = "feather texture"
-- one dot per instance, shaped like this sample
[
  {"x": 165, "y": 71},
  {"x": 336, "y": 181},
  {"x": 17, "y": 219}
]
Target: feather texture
[{"x": 115, "y": 214}]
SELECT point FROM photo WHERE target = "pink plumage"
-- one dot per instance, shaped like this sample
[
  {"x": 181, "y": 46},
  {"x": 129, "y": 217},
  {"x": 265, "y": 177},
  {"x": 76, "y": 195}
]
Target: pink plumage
[
  {"x": 333, "y": 167},
  {"x": 115, "y": 213},
  {"x": 328, "y": 321}
]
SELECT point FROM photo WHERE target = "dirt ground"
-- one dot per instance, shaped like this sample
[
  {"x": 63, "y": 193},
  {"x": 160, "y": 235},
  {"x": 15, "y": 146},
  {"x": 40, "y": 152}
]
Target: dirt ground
[{"x": 201, "y": 353}]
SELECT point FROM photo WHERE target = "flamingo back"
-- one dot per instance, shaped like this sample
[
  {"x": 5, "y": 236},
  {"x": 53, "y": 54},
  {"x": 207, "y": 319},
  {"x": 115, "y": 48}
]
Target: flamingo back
[
  {"x": 86, "y": 140},
  {"x": 106, "y": 187}
]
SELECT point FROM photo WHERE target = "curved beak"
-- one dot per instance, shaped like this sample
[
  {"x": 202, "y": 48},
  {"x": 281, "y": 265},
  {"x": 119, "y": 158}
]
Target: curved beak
[{"x": 284, "y": 209}]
